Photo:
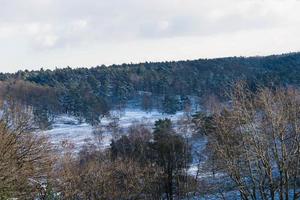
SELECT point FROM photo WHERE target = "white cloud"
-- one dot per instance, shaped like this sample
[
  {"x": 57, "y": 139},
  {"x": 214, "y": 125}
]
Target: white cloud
[
  {"x": 90, "y": 32},
  {"x": 79, "y": 24},
  {"x": 47, "y": 40},
  {"x": 6, "y": 31}
]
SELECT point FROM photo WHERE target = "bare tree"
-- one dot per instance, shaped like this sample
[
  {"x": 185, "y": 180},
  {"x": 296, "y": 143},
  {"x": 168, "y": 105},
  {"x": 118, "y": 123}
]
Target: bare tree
[
  {"x": 25, "y": 157},
  {"x": 255, "y": 141}
]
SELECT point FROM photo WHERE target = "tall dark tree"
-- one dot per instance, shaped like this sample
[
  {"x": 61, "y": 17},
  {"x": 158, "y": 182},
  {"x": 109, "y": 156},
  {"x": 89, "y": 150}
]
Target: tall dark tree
[{"x": 170, "y": 154}]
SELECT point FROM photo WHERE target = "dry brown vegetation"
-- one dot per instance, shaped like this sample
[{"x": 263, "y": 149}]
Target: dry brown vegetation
[
  {"x": 94, "y": 176},
  {"x": 25, "y": 158},
  {"x": 256, "y": 142}
]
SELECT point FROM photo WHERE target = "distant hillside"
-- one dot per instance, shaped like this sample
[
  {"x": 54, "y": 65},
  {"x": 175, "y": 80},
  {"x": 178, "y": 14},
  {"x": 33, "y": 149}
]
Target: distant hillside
[{"x": 103, "y": 86}]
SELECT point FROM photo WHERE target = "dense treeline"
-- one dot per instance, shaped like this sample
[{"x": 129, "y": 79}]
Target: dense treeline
[
  {"x": 42, "y": 100},
  {"x": 174, "y": 78},
  {"x": 89, "y": 93},
  {"x": 47, "y": 102}
]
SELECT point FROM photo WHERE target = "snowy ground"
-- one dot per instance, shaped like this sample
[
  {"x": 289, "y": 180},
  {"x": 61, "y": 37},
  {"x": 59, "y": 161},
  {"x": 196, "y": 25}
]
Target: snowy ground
[{"x": 67, "y": 128}]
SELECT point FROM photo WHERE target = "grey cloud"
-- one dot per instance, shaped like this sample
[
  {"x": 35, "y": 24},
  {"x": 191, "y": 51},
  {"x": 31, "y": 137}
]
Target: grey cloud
[{"x": 66, "y": 25}]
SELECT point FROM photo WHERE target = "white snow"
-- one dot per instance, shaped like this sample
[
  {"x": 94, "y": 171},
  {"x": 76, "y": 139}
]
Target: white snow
[{"x": 68, "y": 128}]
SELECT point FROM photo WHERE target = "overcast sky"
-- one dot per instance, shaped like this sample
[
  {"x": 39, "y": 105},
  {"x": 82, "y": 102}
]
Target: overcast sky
[{"x": 85, "y": 33}]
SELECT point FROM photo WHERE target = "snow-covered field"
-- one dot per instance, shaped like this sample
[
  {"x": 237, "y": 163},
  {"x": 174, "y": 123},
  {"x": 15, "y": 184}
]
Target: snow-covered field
[{"x": 68, "y": 128}]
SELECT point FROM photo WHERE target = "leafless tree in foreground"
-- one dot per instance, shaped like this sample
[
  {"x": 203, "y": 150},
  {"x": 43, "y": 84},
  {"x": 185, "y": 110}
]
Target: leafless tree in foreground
[
  {"x": 256, "y": 142},
  {"x": 24, "y": 157}
]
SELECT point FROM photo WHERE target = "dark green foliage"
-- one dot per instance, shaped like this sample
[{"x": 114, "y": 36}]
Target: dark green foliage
[
  {"x": 120, "y": 82},
  {"x": 90, "y": 93},
  {"x": 170, "y": 104},
  {"x": 171, "y": 149},
  {"x": 172, "y": 154},
  {"x": 136, "y": 145}
]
